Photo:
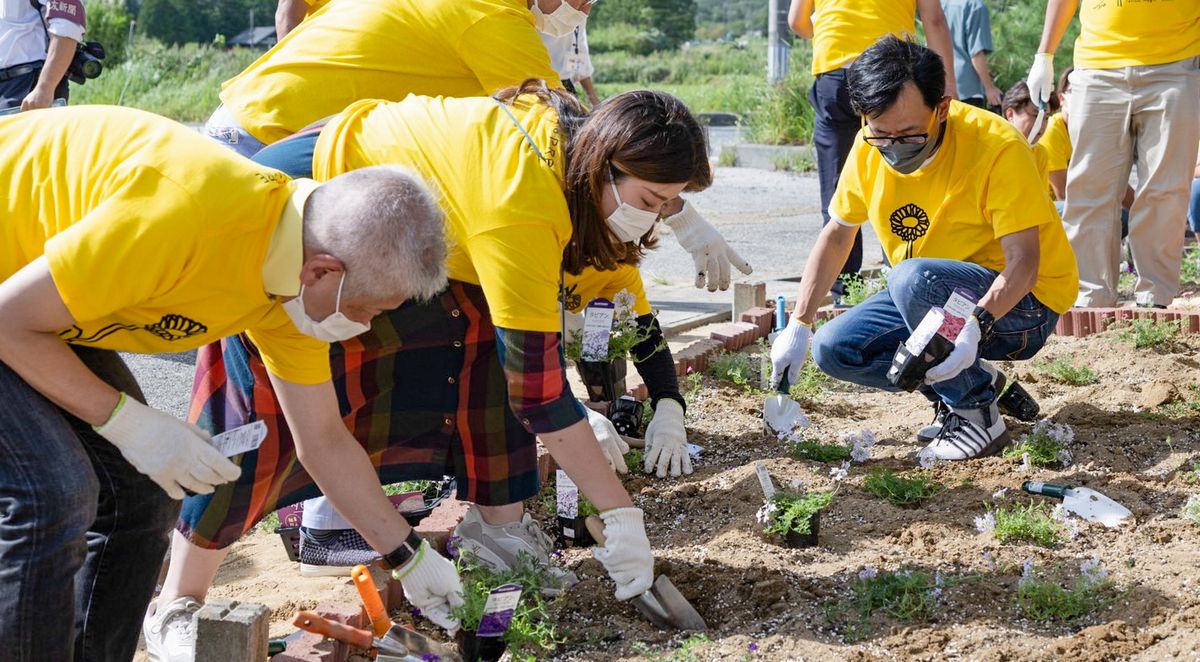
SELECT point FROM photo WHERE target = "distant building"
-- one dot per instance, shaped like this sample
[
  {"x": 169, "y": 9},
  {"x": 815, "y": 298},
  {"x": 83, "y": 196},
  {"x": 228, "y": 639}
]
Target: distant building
[{"x": 263, "y": 37}]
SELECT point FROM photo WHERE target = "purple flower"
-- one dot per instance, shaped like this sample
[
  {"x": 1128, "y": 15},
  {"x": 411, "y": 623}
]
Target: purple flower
[
  {"x": 753, "y": 647},
  {"x": 430, "y": 657}
]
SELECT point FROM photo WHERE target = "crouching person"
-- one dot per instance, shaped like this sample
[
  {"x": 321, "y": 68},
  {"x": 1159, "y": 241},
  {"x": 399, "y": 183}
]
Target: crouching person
[
  {"x": 111, "y": 242},
  {"x": 954, "y": 195}
]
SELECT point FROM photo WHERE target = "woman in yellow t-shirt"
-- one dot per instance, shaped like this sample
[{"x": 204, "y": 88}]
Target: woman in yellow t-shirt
[{"x": 531, "y": 187}]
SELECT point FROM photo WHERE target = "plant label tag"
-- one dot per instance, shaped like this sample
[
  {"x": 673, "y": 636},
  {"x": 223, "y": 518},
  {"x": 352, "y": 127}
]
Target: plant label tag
[
  {"x": 929, "y": 325},
  {"x": 498, "y": 610},
  {"x": 567, "y": 495},
  {"x": 241, "y": 439},
  {"x": 597, "y": 329},
  {"x": 959, "y": 308},
  {"x": 764, "y": 480},
  {"x": 694, "y": 451}
]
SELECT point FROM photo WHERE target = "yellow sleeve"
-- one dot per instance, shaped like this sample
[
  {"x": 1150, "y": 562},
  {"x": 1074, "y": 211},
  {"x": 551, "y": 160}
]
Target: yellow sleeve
[
  {"x": 849, "y": 201},
  {"x": 1057, "y": 143},
  {"x": 132, "y": 247},
  {"x": 287, "y": 353},
  {"x": 519, "y": 269},
  {"x": 504, "y": 49},
  {"x": 1041, "y": 157},
  {"x": 1014, "y": 198}
]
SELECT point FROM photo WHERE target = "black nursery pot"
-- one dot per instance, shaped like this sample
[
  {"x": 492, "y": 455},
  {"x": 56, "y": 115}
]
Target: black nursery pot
[
  {"x": 583, "y": 537},
  {"x": 474, "y": 648},
  {"x": 605, "y": 380},
  {"x": 795, "y": 539}
]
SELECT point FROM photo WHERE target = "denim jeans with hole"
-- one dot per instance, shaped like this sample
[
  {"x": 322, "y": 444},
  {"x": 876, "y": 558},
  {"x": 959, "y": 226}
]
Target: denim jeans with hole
[
  {"x": 82, "y": 533},
  {"x": 858, "y": 345}
]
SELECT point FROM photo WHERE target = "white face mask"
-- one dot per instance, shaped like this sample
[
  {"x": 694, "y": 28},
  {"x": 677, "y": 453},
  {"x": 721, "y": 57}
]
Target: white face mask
[
  {"x": 559, "y": 22},
  {"x": 335, "y": 328},
  {"x": 628, "y": 222}
]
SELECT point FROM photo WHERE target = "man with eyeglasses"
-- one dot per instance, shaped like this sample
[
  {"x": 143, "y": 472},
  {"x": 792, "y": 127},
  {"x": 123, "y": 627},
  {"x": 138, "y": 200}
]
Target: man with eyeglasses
[{"x": 954, "y": 194}]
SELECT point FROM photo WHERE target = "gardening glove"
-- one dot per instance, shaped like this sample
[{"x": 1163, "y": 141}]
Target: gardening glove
[
  {"x": 966, "y": 350},
  {"x": 1041, "y": 79},
  {"x": 174, "y": 454},
  {"x": 431, "y": 584},
  {"x": 611, "y": 443},
  {"x": 789, "y": 351},
  {"x": 626, "y": 552},
  {"x": 666, "y": 440},
  {"x": 710, "y": 252}
]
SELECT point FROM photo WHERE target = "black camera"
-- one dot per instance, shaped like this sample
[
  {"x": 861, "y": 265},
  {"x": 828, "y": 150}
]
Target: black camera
[
  {"x": 87, "y": 63},
  {"x": 626, "y": 416}
]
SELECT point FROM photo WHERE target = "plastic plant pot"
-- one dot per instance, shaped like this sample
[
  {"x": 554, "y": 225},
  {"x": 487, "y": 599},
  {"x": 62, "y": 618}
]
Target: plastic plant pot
[
  {"x": 475, "y": 648},
  {"x": 605, "y": 380},
  {"x": 797, "y": 539},
  {"x": 582, "y": 537},
  {"x": 290, "y": 535}
]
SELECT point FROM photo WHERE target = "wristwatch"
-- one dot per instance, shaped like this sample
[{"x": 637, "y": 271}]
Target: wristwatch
[
  {"x": 986, "y": 322},
  {"x": 404, "y": 552}
]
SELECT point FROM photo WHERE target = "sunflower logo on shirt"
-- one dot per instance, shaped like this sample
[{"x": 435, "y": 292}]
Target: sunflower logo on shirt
[
  {"x": 170, "y": 327},
  {"x": 910, "y": 223}
]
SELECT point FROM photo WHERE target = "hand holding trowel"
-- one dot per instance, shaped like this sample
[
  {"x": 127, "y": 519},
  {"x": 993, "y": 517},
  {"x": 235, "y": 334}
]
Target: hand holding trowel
[
  {"x": 662, "y": 604},
  {"x": 1087, "y": 503},
  {"x": 789, "y": 344},
  {"x": 388, "y": 635}
]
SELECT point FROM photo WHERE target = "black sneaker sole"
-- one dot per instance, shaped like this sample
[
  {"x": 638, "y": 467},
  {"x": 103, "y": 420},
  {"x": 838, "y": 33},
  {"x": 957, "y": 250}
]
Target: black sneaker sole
[{"x": 1015, "y": 401}]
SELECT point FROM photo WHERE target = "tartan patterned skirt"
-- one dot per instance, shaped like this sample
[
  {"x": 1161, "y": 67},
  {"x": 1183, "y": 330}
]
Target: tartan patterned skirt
[{"x": 423, "y": 392}]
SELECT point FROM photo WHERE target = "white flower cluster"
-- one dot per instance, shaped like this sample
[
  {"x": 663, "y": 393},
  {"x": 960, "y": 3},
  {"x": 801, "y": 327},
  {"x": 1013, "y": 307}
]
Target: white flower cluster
[
  {"x": 1191, "y": 509},
  {"x": 860, "y": 443},
  {"x": 1093, "y": 573},
  {"x": 1063, "y": 516},
  {"x": 986, "y": 523},
  {"x": 766, "y": 514},
  {"x": 1061, "y": 433},
  {"x": 868, "y": 572},
  {"x": 840, "y": 473},
  {"x": 939, "y": 583}
]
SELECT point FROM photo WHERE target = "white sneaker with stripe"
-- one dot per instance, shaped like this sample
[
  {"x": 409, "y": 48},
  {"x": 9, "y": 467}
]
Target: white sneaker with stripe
[{"x": 968, "y": 433}]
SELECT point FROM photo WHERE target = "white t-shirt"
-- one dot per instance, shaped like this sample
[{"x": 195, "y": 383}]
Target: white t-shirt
[
  {"x": 568, "y": 54},
  {"x": 22, "y": 37}
]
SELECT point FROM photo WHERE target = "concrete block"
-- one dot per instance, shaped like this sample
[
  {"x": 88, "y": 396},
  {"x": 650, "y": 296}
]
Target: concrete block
[
  {"x": 232, "y": 631},
  {"x": 747, "y": 296}
]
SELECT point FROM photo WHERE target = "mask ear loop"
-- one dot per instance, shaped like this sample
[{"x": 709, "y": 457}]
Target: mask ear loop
[{"x": 337, "y": 304}]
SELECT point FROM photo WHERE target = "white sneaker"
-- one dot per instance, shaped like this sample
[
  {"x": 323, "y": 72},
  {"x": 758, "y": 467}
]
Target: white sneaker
[
  {"x": 969, "y": 433},
  {"x": 170, "y": 632},
  {"x": 499, "y": 547}
]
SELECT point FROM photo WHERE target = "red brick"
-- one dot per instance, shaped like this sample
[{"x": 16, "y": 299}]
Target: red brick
[
  {"x": 763, "y": 318},
  {"x": 1085, "y": 323},
  {"x": 309, "y": 647},
  {"x": 1190, "y": 323},
  {"x": 1066, "y": 324},
  {"x": 546, "y": 467},
  {"x": 441, "y": 522},
  {"x": 695, "y": 355}
]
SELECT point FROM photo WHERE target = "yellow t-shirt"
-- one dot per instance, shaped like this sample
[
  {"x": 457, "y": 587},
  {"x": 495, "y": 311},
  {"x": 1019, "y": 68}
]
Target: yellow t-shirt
[
  {"x": 842, "y": 29},
  {"x": 504, "y": 202},
  {"x": 386, "y": 50},
  {"x": 1129, "y": 33},
  {"x": 155, "y": 236},
  {"x": 980, "y": 186},
  {"x": 591, "y": 283},
  {"x": 1057, "y": 143}
]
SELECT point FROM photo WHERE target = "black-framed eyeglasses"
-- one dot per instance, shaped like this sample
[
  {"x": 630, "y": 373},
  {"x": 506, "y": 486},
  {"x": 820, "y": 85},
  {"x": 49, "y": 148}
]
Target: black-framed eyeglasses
[{"x": 888, "y": 141}]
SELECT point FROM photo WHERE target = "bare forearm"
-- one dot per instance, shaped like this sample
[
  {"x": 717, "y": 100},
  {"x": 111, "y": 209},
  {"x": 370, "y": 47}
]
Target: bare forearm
[
  {"x": 1058, "y": 182},
  {"x": 979, "y": 63},
  {"x": 800, "y": 18},
  {"x": 51, "y": 368},
  {"x": 1016, "y": 281},
  {"x": 576, "y": 451},
  {"x": 58, "y": 58},
  {"x": 1058, "y": 16},
  {"x": 288, "y": 15},
  {"x": 590, "y": 90},
  {"x": 825, "y": 262},
  {"x": 937, "y": 36}
]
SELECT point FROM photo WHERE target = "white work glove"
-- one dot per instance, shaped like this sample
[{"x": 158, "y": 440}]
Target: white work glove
[
  {"x": 666, "y": 440},
  {"x": 1041, "y": 79},
  {"x": 174, "y": 454},
  {"x": 710, "y": 252},
  {"x": 626, "y": 552},
  {"x": 966, "y": 350},
  {"x": 789, "y": 351},
  {"x": 431, "y": 584},
  {"x": 611, "y": 443}
]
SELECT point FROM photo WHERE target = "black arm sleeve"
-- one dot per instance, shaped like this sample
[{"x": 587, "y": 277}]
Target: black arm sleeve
[{"x": 657, "y": 368}]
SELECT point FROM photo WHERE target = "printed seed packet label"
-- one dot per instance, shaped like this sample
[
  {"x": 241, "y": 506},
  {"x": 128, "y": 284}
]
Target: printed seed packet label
[
  {"x": 919, "y": 340},
  {"x": 597, "y": 329},
  {"x": 764, "y": 480},
  {"x": 498, "y": 610},
  {"x": 567, "y": 495},
  {"x": 241, "y": 439},
  {"x": 959, "y": 308}
]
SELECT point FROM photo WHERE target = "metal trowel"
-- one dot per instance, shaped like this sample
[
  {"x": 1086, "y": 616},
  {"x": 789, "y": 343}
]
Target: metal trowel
[
  {"x": 781, "y": 414},
  {"x": 663, "y": 604},
  {"x": 1087, "y": 503}
]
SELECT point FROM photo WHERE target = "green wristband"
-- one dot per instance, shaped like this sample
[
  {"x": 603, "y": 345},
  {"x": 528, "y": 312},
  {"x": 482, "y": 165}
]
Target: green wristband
[{"x": 120, "y": 404}]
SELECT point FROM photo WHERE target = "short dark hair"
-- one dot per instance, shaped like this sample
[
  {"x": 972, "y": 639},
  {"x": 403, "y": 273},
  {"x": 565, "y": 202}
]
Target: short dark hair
[
  {"x": 877, "y": 76},
  {"x": 1017, "y": 97},
  {"x": 1064, "y": 81}
]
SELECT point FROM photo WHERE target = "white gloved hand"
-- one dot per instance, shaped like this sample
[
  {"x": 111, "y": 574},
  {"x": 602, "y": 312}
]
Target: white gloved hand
[
  {"x": 666, "y": 441},
  {"x": 626, "y": 552},
  {"x": 174, "y": 454},
  {"x": 431, "y": 584},
  {"x": 710, "y": 252},
  {"x": 966, "y": 350},
  {"x": 789, "y": 351},
  {"x": 1041, "y": 79},
  {"x": 611, "y": 443}
]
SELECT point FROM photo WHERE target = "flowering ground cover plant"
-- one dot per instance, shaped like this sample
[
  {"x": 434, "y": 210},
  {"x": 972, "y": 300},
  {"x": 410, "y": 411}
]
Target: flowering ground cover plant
[
  {"x": 626, "y": 334},
  {"x": 1046, "y": 445},
  {"x": 792, "y": 512}
]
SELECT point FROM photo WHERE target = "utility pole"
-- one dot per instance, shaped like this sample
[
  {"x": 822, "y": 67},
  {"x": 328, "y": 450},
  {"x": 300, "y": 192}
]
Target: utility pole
[{"x": 778, "y": 47}]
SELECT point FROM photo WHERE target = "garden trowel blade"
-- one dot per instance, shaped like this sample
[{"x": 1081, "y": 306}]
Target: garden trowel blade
[{"x": 1095, "y": 507}]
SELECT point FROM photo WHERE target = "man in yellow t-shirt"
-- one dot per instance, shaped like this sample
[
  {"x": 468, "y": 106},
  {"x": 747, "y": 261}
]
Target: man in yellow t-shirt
[
  {"x": 109, "y": 241},
  {"x": 1135, "y": 97},
  {"x": 953, "y": 193},
  {"x": 841, "y": 30}
]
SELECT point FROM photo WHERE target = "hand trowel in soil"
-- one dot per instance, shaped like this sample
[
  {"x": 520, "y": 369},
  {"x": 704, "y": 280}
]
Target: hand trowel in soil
[
  {"x": 781, "y": 414},
  {"x": 663, "y": 604},
  {"x": 1087, "y": 503},
  {"x": 389, "y": 633}
]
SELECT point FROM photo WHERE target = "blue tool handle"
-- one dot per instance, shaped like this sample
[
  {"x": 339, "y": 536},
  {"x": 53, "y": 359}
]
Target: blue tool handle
[{"x": 780, "y": 313}]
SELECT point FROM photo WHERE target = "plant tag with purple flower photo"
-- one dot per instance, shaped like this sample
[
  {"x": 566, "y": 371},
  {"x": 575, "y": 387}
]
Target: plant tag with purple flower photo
[
  {"x": 498, "y": 610},
  {"x": 597, "y": 329},
  {"x": 567, "y": 497}
]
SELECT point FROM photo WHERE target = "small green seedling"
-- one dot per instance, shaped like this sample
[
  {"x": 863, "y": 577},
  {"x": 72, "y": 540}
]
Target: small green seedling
[
  {"x": 736, "y": 367},
  {"x": 532, "y": 631},
  {"x": 1063, "y": 371},
  {"x": 1148, "y": 333},
  {"x": 858, "y": 289},
  {"x": 634, "y": 459},
  {"x": 1048, "y": 601},
  {"x": 1046, "y": 444},
  {"x": 1191, "y": 509},
  {"x": 811, "y": 449},
  {"x": 900, "y": 491},
  {"x": 906, "y": 595},
  {"x": 1031, "y": 523},
  {"x": 790, "y": 512}
]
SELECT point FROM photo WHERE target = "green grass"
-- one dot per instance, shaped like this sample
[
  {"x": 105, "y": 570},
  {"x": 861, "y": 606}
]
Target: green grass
[
  {"x": 532, "y": 630},
  {"x": 1063, "y": 371},
  {"x": 1046, "y": 445},
  {"x": 859, "y": 289},
  {"x": 1187, "y": 404},
  {"x": 1032, "y": 523},
  {"x": 1048, "y": 601},
  {"x": 1189, "y": 268},
  {"x": 900, "y": 491},
  {"x": 728, "y": 157},
  {"x": 793, "y": 163},
  {"x": 1191, "y": 510},
  {"x": 1148, "y": 333},
  {"x": 905, "y": 595},
  {"x": 685, "y": 653},
  {"x": 790, "y": 512},
  {"x": 736, "y": 367},
  {"x": 812, "y": 384},
  {"x": 811, "y": 449}
]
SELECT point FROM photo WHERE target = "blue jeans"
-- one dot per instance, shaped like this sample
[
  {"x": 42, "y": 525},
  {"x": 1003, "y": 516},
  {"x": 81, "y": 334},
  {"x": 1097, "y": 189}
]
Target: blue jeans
[
  {"x": 858, "y": 345},
  {"x": 82, "y": 533},
  {"x": 293, "y": 155},
  {"x": 835, "y": 124},
  {"x": 1194, "y": 207}
]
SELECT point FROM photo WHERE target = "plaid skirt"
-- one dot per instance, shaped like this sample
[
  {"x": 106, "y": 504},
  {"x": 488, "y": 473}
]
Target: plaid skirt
[{"x": 423, "y": 392}]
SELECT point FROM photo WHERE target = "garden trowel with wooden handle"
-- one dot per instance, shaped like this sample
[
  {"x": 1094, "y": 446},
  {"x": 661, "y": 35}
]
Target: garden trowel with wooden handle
[
  {"x": 662, "y": 604},
  {"x": 1087, "y": 503}
]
